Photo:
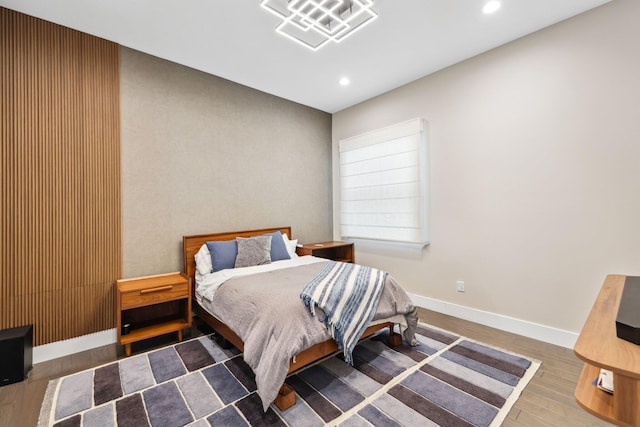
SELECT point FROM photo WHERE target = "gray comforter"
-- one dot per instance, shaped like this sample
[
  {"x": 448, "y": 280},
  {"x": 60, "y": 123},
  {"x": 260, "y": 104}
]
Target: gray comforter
[{"x": 266, "y": 312}]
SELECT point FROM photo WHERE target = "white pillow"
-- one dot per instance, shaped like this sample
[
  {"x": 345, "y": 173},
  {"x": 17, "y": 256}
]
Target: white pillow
[
  {"x": 203, "y": 260},
  {"x": 290, "y": 245}
]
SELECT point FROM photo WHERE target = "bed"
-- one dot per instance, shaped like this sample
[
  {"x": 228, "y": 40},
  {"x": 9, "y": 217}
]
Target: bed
[{"x": 248, "y": 301}]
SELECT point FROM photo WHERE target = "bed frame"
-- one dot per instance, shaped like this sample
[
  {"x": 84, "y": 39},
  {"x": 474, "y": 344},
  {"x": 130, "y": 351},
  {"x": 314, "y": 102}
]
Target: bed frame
[{"x": 192, "y": 244}]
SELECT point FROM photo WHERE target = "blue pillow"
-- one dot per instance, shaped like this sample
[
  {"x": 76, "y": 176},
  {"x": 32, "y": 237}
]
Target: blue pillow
[
  {"x": 278, "y": 247},
  {"x": 223, "y": 254}
]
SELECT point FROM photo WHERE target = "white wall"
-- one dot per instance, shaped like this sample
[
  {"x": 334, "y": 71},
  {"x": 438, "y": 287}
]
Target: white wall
[{"x": 535, "y": 170}]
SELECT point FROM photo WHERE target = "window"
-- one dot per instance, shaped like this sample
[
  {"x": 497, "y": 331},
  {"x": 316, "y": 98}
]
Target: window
[{"x": 384, "y": 184}]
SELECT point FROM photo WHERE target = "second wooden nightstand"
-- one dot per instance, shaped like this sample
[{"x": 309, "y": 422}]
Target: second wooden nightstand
[
  {"x": 337, "y": 251},
  {"x": 152, "y": 306}
]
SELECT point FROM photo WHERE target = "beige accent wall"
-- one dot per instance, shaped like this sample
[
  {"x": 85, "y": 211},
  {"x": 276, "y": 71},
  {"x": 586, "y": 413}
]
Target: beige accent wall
[
  {"x": 202, "y": 154},
  {"x": 535, "y": 170}
]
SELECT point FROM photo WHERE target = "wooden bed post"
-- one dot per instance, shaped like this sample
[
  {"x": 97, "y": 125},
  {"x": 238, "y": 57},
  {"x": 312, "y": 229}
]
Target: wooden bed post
[
  {"x": 394, "y": 339},
  {"x": 286, "y": 397}
]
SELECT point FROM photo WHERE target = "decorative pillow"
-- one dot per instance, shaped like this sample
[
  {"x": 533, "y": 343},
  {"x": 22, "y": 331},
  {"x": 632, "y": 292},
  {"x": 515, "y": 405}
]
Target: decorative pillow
[
  {"x": 223, "y": 254},
  {"x": 253, "y": 251},
  {"x": 278, "y": 248},
  {"x": 203, "y": 260},
  {"x": 291, "y": 245}
]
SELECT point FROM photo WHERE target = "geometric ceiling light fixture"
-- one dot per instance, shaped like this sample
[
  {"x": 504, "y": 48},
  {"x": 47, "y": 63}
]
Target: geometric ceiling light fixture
[{"x": 314, "y": 23}]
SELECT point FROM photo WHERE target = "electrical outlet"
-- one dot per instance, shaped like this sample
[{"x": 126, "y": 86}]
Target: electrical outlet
[{"x": 460, "y": 286}]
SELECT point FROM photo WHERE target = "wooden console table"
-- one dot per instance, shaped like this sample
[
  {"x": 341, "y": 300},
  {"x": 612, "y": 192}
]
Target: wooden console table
[{"x": 599, "y": 347}]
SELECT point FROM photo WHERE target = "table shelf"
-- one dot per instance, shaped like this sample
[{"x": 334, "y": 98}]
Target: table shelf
[{"x": 599, "y": 347}]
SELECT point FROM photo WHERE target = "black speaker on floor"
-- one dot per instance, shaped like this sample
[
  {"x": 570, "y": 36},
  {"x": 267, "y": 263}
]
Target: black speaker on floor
[{"x": 16, "y": 354}]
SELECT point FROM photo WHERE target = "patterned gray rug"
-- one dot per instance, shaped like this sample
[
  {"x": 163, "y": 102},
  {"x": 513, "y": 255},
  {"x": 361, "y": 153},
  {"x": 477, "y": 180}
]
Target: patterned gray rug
[{"x": 446, "y": 381}]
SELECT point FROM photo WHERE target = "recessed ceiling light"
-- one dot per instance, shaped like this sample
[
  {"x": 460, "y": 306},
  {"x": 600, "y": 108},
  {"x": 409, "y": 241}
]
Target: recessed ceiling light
[
  {"x": 491, "y": 6},
  {"x": 344, "y": 81}
]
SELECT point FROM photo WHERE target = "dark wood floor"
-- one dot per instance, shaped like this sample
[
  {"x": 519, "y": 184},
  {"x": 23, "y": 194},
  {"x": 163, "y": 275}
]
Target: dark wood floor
[{"x": 546, "y": 401}]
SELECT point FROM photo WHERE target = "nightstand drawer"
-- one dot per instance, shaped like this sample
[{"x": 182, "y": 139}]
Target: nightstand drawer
[{"x": 154, "y": 295}]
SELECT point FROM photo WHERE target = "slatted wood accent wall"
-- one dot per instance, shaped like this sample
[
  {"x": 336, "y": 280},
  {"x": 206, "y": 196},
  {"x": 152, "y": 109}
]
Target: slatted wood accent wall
[{"x": 60, "y": 178}]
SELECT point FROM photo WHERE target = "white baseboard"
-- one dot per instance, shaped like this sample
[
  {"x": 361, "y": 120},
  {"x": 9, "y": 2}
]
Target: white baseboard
[
  {"x": 510, "y": 324},
  {"x": 45, "y": 352},
  {"x": 42, "y": 353}
]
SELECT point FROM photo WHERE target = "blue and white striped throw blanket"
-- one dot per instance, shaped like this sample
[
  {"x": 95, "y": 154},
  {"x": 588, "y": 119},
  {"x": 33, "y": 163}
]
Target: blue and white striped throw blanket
[{"x": 349, "y": 295}]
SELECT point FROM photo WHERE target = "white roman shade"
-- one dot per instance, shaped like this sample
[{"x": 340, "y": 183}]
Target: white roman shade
[{"x": 384, "y": 184}]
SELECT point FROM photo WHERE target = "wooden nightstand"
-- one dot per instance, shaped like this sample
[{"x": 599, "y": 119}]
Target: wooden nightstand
[
  {"x": 337, "y": 251},
  {"x": 152, "y": 306}
]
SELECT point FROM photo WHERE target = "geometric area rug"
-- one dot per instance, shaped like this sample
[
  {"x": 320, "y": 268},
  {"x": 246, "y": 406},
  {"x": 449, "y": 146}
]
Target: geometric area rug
[{"x": 447, "y": 380}]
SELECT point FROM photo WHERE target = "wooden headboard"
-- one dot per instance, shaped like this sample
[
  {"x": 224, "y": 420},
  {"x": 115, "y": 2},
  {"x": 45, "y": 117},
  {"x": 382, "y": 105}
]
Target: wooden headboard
[{"x": 192, "y": 244}]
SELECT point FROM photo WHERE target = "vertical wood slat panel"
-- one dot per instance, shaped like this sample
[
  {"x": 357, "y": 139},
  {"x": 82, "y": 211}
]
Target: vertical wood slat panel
[{"x": 60, "y": 178}]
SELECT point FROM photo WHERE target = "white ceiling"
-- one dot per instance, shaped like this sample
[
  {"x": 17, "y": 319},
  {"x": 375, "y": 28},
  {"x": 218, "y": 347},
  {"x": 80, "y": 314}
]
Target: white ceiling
[{"x": 235, "y": 39}]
